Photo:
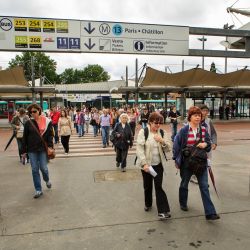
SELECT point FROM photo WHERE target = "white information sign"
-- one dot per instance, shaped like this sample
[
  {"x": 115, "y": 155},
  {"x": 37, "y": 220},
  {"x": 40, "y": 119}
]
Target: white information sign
[
  {"x": 61, "y": 35},
  {"x": 132, "y": 38},
  {"x": 39, "y": 34}
]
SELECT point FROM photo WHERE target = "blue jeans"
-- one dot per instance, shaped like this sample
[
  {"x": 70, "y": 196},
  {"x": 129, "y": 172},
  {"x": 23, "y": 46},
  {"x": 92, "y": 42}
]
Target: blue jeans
[
  {"x": 105, "y": 135},
  {"x": 81, "y": 129},
  {"x": 174, "y": 130},
  {"x": 144, "y": 124},
  {"x": 203, "y": 185},
  {"x": 95, "y": 128},
  {"x": 55, "y": 126},
  {"x": 38, "y": 160}
]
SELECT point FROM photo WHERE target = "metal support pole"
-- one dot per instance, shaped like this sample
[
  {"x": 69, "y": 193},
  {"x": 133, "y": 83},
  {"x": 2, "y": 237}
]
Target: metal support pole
[
  {"x": 33, "y": 80},
  {"x": 127, "y": 93},
  {"x": 166, "y": 100},
  {"x": 136, "y": 81},
  {"x": 203, "y": 40},
  {"x": 41, "y": 93},
  {"x": 224, "y": 105}
]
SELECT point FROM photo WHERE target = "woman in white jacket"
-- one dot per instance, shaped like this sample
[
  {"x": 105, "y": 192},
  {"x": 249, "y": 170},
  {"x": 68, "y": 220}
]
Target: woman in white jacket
[{"x": 152, "y": 144}]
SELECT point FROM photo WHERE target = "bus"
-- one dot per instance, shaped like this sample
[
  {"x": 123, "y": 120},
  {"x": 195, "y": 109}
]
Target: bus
[
  {"x": 3, "y": 109},
  {"x": 25, "y": 104},
  {"x": 7, "y": 108}
]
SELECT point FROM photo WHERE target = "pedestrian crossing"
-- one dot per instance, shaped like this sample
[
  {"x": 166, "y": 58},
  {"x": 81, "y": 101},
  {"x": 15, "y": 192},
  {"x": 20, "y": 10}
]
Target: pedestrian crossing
[{"x": 87, "y": 146}]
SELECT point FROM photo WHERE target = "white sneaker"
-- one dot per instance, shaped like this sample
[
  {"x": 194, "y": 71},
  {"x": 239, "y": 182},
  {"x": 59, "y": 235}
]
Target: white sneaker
[{"x": 38, "y": 194}]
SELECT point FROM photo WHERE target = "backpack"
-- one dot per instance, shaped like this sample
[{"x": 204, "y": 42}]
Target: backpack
[{"x": 146, "y": 133}]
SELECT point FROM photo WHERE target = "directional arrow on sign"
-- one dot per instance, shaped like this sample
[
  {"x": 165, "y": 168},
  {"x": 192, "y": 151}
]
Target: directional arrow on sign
[
  {"x": 89, "y": 30},
  {"x": 90, "y": 45}
]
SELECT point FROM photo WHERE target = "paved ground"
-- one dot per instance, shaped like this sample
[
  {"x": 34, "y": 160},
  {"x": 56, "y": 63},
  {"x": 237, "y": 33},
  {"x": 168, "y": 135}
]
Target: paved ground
[{"x": 84, "y": 211}]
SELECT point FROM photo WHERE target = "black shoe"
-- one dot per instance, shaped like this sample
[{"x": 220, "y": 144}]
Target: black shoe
[
  {"x": 213, "y": 217},
  {"x": 104, "y": 146},
  {"x": 48, "y": 184},
  {"x": 117, "y": 164},
  {"x": 147, "y": 209},
  {"x": 164, "y": 216},
  {"x": 184, "y": 208}
]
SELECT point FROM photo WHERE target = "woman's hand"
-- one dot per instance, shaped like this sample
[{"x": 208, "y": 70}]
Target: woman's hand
[
  {"x": 202, "y": 145},
  {"x": 158, "y": 138},
  {"x": 146, "y": 168}
]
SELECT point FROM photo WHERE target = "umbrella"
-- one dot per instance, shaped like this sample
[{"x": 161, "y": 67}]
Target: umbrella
[
  {"x": 10, "y": 140},
  {"x": 213, "y": 180}
]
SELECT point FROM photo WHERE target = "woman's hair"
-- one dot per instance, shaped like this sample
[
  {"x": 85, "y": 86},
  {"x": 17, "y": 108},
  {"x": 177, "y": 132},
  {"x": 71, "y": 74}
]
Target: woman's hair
[
  {"x": 34, "y": 106},
  {"x": 122, "y": 115},
  {"x": 65, "y": 112},
  {"x": 194, "y": 110},
  {"x": 21, "y": 111},
  {"x": 155, "y": 117}
]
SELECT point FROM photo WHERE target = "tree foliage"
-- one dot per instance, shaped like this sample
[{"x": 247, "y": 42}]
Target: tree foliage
[
  {"x": 48, "y": 65},
  {"x": 91, "y": 73}
]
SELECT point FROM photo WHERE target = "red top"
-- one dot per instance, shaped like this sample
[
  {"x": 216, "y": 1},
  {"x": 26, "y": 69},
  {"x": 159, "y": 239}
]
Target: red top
[
  {"x": 42, "y": 124},
  {"x": 191, "y": 136},
  {"x": 55, "y": 117}
]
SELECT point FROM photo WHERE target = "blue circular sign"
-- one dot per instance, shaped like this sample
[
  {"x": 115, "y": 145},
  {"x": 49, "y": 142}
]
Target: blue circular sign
[{"x": 117, "y": 29}]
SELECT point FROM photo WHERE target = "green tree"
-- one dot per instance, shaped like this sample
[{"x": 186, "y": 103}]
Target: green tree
[
  {"x": 48, "y": 65},
  {"x": 94, "y": 73}
]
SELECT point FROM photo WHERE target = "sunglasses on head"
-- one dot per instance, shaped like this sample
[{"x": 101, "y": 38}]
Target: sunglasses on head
[{"x": 33, "y": 111}]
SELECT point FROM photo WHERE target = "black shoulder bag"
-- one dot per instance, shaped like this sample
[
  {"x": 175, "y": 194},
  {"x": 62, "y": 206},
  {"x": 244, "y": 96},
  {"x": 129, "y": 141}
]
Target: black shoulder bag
[{"x": 197, "y": 161}]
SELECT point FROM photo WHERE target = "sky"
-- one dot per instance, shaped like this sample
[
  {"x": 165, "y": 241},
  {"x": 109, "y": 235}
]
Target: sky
[{"x": 193, "y": 13}]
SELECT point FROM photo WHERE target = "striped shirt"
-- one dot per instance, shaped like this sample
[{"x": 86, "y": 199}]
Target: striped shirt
[{"x": 194, "y": 136}]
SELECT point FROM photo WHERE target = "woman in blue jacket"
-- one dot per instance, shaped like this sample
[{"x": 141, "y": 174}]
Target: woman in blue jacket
[{"x": 186, "y": 138}]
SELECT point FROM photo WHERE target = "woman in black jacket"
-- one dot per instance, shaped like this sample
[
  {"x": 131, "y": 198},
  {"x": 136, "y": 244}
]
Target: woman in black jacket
[
  {"x": 35, "y": 129},
  {"x": 123, "y": 140}
]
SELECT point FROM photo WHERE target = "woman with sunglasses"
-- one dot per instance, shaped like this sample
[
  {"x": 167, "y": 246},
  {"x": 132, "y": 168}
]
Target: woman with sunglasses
[
  {"x": 38, "y": 131},
  {"x": 152, "y": 144}
]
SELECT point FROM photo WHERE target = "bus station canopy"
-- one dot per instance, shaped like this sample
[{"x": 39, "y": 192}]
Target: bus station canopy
[
  {"x": 196, "y": 78},
  {"x": 13, "y": 83}
]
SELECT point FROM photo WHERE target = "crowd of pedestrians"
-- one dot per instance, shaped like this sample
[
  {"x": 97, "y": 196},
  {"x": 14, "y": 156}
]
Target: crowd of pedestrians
[{"x": 35, "y": 131}]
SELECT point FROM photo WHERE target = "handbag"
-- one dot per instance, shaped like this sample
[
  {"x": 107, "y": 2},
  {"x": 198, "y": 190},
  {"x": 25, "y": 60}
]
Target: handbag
[
  {"x": 51, "y": 153},
  {"x": 19, "y": 134},
  {"x": 197, "y": 160}
]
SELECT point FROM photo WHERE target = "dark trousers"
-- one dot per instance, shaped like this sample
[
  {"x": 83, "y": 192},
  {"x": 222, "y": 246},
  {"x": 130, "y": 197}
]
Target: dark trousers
[
  {"x": 55, "y": 126},
  {"x": 161, "y": 197},
  {"x": 121, "y": 156},
  {"x": 132, "y": 126},
  {"x": 20, "y": 147},
  {"x": 65, "y": 142}
]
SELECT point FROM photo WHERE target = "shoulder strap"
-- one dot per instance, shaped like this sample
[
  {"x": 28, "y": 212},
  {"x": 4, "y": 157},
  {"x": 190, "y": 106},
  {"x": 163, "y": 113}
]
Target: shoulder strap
[
  {"x": 44, "y": 142},
  {"x": 162, "y": 132},
  {"x": 19, "y": 119}
]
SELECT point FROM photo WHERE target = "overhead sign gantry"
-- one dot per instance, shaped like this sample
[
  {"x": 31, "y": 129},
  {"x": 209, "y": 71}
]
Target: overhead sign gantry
[{"x": 61, "y": 35}]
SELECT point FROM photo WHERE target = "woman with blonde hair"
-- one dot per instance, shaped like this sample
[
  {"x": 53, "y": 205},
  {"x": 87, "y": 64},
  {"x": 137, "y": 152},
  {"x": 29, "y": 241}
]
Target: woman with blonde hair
[
  {"x": 65, "y": 130},
  {"x": 123, "y": 139}
]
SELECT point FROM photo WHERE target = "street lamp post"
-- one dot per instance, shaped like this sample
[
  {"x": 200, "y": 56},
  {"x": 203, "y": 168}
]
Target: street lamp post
[
  {"x": 228, "y": 27},
  {"x": 203, "y": 40}
]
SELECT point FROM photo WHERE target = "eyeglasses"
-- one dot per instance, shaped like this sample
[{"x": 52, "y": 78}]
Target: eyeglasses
[
  {"x": 33, "y": 111},
  {"x": 157, "y": 123}
]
